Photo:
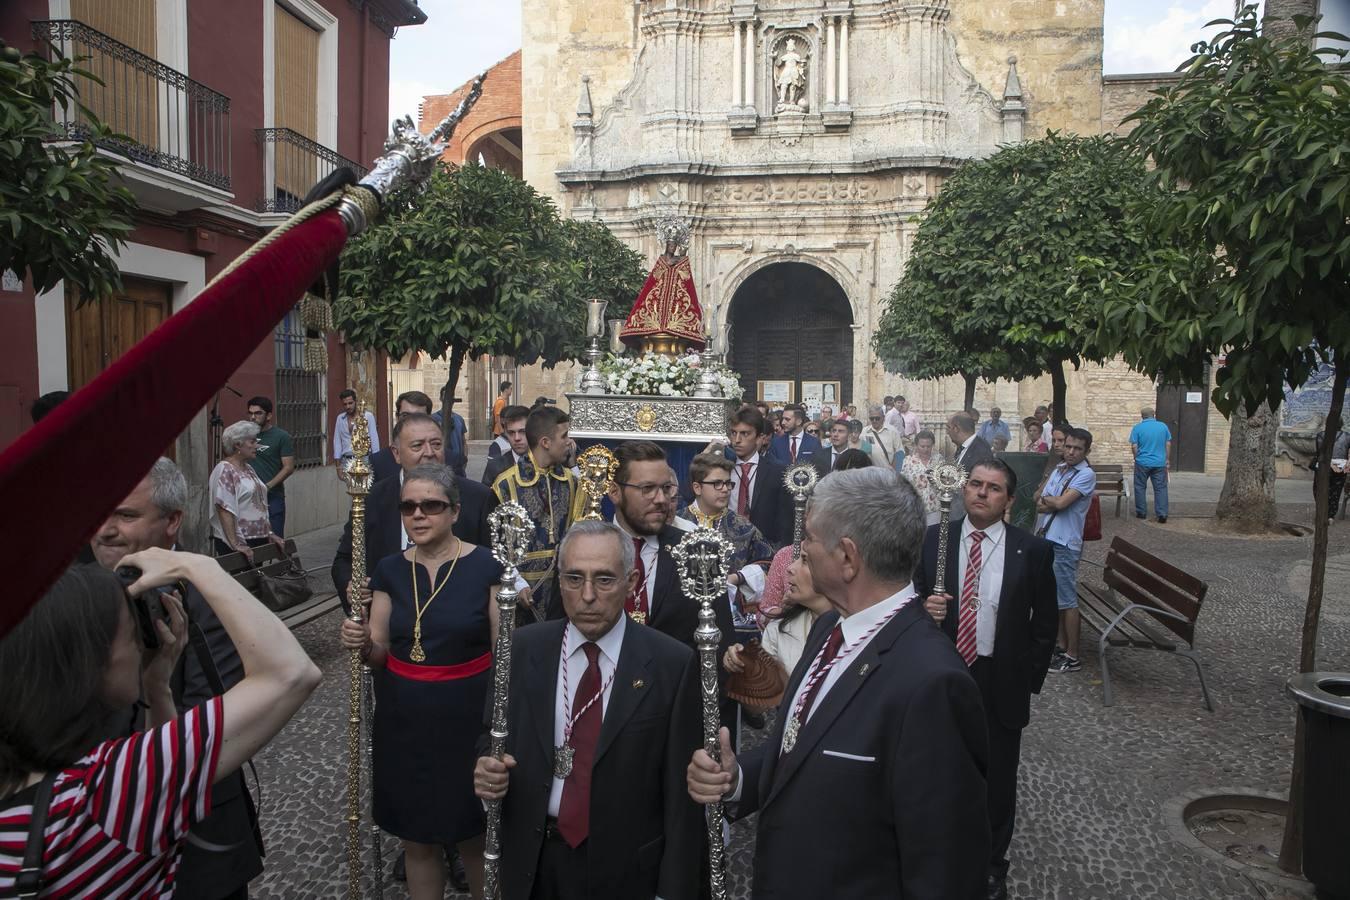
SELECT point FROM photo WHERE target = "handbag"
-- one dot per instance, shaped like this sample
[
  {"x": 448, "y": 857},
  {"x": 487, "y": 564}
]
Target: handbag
[
  {"x": 284, "y": 589},
  {"x": 1092, "y": 522}
]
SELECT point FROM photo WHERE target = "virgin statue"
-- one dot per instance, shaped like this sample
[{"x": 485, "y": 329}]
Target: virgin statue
[{"x": 666, "y": 317}]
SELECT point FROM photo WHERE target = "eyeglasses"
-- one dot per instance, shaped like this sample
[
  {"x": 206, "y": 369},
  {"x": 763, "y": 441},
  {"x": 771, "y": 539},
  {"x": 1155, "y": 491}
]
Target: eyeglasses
[
  {"x": 815, "y": 431},
  {"x": 574, "y": 581},
  {"x": 648, "y": 491},
  {"x": 428, "y": 507},
  {"x": 720, "y": 484}
]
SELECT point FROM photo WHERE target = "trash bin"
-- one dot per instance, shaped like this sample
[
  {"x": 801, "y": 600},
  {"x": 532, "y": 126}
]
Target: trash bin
[{"x": 1325, "y": 701}]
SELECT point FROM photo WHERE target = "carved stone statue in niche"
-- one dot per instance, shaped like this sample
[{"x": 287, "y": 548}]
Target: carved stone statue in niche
[{"x": 789, "y": 77}]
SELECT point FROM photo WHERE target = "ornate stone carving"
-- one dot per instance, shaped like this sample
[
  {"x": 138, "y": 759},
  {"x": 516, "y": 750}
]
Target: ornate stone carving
[
  {"x": 789, "y": 75},
  {"x": 654, "y": 418}
]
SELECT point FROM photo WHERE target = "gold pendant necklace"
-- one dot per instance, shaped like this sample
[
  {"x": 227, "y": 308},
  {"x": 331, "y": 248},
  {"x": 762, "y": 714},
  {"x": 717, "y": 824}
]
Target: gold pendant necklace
[{"x": 417, "y": 654}]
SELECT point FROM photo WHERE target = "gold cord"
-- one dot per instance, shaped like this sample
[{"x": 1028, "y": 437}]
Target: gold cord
[{"x": 417, "y": 654}]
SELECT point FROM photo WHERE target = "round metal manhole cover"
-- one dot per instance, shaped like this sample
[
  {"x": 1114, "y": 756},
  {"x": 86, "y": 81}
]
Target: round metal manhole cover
[{"x": 1248, "y": 836}]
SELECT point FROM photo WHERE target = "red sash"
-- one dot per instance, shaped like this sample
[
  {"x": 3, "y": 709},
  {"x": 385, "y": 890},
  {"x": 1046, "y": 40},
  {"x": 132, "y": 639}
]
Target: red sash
[{"x": 414, "y": 672}]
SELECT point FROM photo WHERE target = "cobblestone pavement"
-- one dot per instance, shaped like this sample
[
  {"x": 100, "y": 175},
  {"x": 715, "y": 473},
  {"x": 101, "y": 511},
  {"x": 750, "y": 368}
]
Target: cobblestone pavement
[{"x": 1094, "y": 780}]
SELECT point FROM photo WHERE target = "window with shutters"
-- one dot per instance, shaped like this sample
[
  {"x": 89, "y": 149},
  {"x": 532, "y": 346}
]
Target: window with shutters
[
  {"x": 299, "y": 394},
  {"x": 295, "y": 97}
]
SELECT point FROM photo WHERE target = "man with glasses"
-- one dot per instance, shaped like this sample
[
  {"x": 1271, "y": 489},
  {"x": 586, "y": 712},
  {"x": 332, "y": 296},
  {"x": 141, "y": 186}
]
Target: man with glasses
[
  {"x": 275, "y": 461},
  {"x": 710, "y": 478},
  {"x": 382, "y": 463},
  {"x": 886, "y": 444}
]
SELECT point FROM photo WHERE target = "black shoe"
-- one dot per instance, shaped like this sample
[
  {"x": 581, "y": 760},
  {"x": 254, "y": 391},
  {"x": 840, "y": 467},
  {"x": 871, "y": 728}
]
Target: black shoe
[
  {"x": 997, "y": 888},
  {"x": 401, "y": 867},
  {"x": 1140, "y": 515},
  {"x": 458, "y": 879},
  {"x": 1162, "y": 520}
]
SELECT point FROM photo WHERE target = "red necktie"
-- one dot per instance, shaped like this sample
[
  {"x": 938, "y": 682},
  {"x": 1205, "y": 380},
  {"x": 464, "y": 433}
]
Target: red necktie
[
  {"x": 836, "y": 640},
  {"x": 743, "y": 493},
  {"x": 574, "y": 810},
  {"x": 637, "y": 597},
  {"x": 793, "y": 456},
  {"x": 970, "y": 589}
]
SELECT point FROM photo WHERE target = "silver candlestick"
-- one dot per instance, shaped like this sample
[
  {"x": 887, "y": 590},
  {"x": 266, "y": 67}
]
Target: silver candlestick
[
  {"x": 703, "y": 558},
  {"x": 593, "y": 382},
  {"x": 708, "y": 385}
]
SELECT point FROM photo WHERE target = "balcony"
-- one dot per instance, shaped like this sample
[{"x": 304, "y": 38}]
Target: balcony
[
  {"x": 160, "y": 118},
  {"x": 292, "y": 164}
]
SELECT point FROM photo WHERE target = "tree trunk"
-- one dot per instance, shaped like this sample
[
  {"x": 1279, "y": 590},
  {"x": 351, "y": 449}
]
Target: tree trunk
[
  {"x": 457, "y": 353},
  {"x": 1277, "y": 20},
  {"x": 970, "y": 390},
  {"x": 1059, "y": 392},
  {"x": 1247, "y": 502},
  {"x": 1291, "y": 850}
]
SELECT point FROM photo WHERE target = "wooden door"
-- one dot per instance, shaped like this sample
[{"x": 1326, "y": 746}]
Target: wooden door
[
  {"x": 1184, "y": 408},
  {"x": 101, "y": 331}
]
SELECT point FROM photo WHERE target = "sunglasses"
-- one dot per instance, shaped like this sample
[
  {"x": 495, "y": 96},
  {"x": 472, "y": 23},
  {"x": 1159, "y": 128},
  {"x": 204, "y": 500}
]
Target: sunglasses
[{"x": 428, "y": 507}]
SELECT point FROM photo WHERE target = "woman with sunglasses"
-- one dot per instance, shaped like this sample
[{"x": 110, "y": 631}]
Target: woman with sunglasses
[{"x": 431, "y": 628}]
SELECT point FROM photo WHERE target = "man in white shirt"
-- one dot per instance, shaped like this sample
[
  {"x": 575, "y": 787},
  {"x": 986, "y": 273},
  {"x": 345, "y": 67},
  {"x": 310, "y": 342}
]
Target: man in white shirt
[
  {"x": 342, "y": 431},
  {"x": 878, "y": 683},
  {"x": 885, "y": 440},
  {"x": 998, "y": 607},
  {"x": 613, "y": 822},
  {"x": 826, "y": 459}
]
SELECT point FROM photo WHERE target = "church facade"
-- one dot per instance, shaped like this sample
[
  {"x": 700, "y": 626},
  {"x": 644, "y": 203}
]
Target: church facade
[{"x": 801, "y": 140}]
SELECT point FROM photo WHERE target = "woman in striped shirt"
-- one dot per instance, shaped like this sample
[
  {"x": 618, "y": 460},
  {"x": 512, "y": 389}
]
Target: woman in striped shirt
[{"x": 120, "y": 807}]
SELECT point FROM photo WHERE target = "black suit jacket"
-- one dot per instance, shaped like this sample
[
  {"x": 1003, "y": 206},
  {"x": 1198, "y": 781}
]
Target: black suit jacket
[
  {"x": 496, "y": 465},
  {"x": 1027, "y": 621},
  {"x": 384, "y": 526},
  {"x": 646, "y": 833},
  {"x": 890, "y": 768},
  {"x": 771, "y": 504},
  {"x": 979, "y": 451},
  {"x": 383, "y": 465},
  {"x": 823, "y": 459}
]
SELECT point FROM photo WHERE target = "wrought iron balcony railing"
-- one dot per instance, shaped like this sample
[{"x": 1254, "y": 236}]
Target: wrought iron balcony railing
[
  {"x": 292, "y": 164},
  {"x": 158, "y": 115}
]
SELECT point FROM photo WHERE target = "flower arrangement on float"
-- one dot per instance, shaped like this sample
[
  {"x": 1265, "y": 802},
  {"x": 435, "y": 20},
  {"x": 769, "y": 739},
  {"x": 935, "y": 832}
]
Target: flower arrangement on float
[{"x": 656, "y": 375}]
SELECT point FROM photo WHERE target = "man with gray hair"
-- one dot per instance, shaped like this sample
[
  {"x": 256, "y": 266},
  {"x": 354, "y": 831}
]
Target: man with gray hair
[
  {"x": 152, "y": 516},
  {"x": 886, "y": 444},
  {"x": 881, "y": 732},
  {"x": 1151, "y": 444},
  {"x": 605, "y": 713}
]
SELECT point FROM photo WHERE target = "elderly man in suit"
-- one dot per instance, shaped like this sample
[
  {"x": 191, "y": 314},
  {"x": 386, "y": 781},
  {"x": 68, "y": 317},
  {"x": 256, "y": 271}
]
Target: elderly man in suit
[
  {"x": 603, "y": 716},
  {"x": 880, "y": 733},
  {"x": 417, "y": 440},
  {"x": 998, "y": 607},
  {"x": 757, "y": 489}
]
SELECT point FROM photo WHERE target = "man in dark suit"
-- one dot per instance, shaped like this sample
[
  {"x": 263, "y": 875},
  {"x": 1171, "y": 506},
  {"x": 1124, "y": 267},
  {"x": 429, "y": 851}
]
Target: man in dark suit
[
  {"x": 619, "y": 704},
  {"x": 971, "y": 449},
  {"x": 382, "y": 463},
  {"x": 880, "y": 733},
  {"x": 513, "y": 429},
  {"x": 998, "y": 607},
  {"x": 826, "y": 458},
  {"x": 417, "y": 441},
  {"x": 757, "y": 489},
  {"x": 792, "y": 444}
]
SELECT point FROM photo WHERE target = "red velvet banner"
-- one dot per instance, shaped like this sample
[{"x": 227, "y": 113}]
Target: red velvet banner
[{"x": 61, "y": 478}]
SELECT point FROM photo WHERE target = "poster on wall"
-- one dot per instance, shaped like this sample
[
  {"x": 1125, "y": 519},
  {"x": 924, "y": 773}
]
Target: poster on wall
[
  {"x": 817, "y": 394},
  {"x": 777, "y": 393}
]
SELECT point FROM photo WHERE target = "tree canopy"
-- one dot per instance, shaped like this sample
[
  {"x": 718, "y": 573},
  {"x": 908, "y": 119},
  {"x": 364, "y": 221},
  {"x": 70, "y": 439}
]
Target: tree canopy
[
  {"x": 62, "y": 209},
  {"x": 1001, "y": 281}
]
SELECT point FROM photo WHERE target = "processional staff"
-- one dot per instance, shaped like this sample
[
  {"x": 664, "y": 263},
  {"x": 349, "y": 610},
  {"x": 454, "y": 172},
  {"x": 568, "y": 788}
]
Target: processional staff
[
  {"x": 703, "y": 557},
  {"x": 511, "y": 531},
  {"x": 948, "y": 479},
  {"x": 359, "y": 477},
  {"x": 597, "y": 466},
  {"x": 800, "y": 480}
]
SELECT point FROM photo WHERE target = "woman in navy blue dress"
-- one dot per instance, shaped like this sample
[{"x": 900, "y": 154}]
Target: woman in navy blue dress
[{"x": 432, "y": 624}]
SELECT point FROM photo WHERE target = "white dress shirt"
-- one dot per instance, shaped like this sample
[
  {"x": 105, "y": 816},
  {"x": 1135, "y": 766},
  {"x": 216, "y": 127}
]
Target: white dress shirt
[
  {"x": 651, "y": 553},
  {"x": 736, "y": 480},
  {"x": 342, "y": 435},
  {"x": 991, "y": 580},
  {"x": 610, "y": 645},
  {"x": 885, "y": 442}
]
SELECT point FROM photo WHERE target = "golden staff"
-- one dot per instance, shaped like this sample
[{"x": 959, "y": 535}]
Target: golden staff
[
  {"x": 597, "y": 466},
  {"x": 359, "y": 477}
]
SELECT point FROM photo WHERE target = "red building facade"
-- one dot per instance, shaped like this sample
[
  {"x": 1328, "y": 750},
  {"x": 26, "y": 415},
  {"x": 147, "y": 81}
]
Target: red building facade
[{"x": 230, "y": 112}]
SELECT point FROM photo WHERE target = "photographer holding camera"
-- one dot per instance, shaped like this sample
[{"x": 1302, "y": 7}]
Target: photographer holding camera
[
  {"x": 106, "y": 812},
  {"x": 224, "y": 851}
]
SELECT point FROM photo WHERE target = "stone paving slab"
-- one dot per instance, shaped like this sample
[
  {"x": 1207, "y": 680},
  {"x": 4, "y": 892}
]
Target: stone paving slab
[{"x": 1095, "y": 781}]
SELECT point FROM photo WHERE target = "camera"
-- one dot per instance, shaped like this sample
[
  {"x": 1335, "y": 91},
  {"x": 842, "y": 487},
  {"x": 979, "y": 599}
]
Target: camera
[{"x": 149, "y": 607}]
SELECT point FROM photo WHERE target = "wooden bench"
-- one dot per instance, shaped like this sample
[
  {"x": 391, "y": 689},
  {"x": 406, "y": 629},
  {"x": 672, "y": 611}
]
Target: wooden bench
[
  {"x": 1111, "y": 483},
  {"x": 1142, "y": 593},
  {"x": 268, "y": 559}
]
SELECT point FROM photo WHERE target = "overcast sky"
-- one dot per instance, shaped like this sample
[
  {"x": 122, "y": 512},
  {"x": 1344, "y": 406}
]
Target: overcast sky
[{"x": 463, "y": 37}]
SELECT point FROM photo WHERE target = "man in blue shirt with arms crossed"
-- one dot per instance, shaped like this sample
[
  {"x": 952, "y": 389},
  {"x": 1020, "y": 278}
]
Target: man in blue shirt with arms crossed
[
  {"x": 1062, "y": 507},
  {"x": 1151, "y": 443}
]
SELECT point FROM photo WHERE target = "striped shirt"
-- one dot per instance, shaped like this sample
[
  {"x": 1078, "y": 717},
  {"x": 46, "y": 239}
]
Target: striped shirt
[{"x": 118, "y": 815}]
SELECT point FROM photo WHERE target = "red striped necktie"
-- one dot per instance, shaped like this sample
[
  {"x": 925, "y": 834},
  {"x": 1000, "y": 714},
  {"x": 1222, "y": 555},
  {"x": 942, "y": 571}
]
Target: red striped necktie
[{"x": 970, "y": 589}]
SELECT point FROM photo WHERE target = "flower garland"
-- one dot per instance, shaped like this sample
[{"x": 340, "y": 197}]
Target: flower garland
[{"x": 662, "y": 376}]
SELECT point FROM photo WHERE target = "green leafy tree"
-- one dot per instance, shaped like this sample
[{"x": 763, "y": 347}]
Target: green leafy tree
[
  {"x": 1002, "y": 279},
  {"x": 477, "y": 263},
  {"x": 62, "y": 211},
  {"x": 1252, "y": 156}
]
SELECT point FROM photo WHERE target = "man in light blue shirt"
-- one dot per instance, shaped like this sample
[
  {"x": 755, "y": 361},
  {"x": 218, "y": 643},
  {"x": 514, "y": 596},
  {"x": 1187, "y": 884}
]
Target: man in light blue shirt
[
  {"x": 1063, "y": 505},
  {"x": 1151, "y": 444},
  {"x": 995, "y": 427}
]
